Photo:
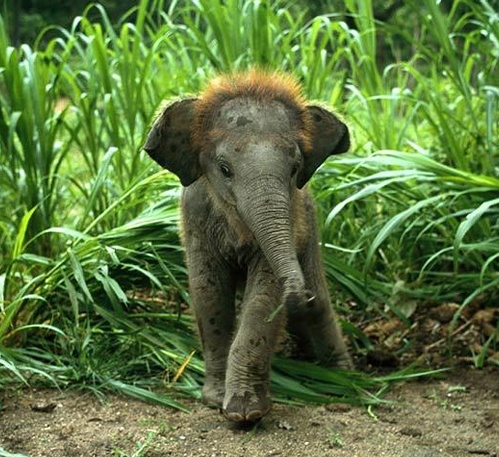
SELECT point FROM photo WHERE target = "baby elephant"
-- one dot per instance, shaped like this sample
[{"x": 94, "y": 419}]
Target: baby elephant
[{"x": 244, "y": 150}]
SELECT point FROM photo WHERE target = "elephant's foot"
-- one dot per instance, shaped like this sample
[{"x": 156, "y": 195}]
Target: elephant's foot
[
  {"x": 326, "y": 357},
  {"x": 344, "y": 362},
  {"x": 245, "y": 406},
  {"x": 213, "y": 394},
  {"x": 334, "y": 355}
]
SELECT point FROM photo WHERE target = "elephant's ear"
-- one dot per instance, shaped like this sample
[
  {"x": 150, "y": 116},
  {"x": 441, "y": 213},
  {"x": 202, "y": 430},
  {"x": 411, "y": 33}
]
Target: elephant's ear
[
  {"x": 169, "y": 141},
  {"x": 329, "y": 136}
]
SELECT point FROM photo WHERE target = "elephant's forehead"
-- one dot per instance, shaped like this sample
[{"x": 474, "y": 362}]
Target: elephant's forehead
[{"x": 249, "y": 115}]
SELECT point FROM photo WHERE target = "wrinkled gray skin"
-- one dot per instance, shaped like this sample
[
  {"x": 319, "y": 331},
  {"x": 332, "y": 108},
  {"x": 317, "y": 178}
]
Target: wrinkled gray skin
[{"x": 247, "y": 220}]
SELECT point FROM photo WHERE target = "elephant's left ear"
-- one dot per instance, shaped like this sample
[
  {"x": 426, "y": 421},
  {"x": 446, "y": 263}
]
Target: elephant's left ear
[{"x": 329, "y": 136}]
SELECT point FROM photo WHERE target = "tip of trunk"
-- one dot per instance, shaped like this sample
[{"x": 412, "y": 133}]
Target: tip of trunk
[{"x": 296, "y": 298}]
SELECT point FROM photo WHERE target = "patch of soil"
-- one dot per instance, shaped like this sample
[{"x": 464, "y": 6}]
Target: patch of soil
[
  {"x": 456, "y": 416},
  {"x": 437, "y": 336}
]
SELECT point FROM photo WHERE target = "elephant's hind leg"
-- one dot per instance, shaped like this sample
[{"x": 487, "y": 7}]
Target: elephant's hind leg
[
  {"x": 316, "y": 329},
  {"x": 212, "y": 292}
]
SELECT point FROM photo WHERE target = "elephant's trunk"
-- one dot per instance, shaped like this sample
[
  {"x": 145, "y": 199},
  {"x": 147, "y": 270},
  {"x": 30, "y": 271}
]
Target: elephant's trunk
[{"x": 266, "y": 211}]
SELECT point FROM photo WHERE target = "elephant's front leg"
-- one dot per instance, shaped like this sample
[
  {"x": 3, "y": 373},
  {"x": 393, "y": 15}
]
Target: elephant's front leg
[
  {"x": 247, "y": 384},
  {"x": 212, "y": 292}
]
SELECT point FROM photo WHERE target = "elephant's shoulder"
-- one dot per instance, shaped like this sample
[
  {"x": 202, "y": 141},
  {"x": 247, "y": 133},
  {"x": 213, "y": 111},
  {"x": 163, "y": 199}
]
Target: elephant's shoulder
[
  {"x": 201, "y": 212},
  {"x": 196, "y": 199},
  {"x": 304, "y": 205}
]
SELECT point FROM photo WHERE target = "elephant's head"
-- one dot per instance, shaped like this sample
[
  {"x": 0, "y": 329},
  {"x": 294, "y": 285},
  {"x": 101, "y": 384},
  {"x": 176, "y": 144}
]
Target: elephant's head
[{"x": 256, "y": 141}]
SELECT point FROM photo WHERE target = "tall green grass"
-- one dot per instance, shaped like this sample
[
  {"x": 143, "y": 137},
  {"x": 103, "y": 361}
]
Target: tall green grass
[
  {"x": 92, "y": 282},
  {"x": 430, "y": 190}
]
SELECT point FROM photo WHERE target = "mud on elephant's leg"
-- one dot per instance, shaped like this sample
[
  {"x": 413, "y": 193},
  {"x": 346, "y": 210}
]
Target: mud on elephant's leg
[
  {"x": 247, "y": 386},
  {"x": 212, "y": 292}
]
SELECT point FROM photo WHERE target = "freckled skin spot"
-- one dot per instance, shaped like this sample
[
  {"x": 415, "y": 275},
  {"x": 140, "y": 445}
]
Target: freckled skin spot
[{"x": 242, "y": 121}]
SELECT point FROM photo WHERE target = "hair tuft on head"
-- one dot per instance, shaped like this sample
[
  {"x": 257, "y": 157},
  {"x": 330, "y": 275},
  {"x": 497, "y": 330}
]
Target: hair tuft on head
[{"x": 254, "y": 84}]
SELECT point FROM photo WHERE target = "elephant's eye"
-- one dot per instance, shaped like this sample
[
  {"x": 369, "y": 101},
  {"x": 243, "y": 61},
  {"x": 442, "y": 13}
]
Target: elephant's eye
[{"x": 225, "y": 170}]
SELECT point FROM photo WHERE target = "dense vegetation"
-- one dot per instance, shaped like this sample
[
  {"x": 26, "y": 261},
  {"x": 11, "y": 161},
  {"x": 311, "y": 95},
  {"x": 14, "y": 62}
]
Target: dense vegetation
[{"x": 92, "y": 282}]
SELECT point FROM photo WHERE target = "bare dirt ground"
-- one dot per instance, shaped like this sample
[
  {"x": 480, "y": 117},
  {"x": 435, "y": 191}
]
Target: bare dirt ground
[{"x": 455, "y": 416}]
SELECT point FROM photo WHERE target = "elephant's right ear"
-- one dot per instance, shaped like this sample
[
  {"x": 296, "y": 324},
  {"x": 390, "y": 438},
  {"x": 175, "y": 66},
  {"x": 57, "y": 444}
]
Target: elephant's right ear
[
  {"x": 169, "y": 141},
  {"x": 329, "y": 136}
]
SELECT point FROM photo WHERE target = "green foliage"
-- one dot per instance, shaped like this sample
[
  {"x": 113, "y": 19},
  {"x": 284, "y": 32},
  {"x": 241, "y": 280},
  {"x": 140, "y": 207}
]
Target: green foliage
[
  {"x": 29, "y": 128},
  {"x": 429, "y": 190},
  {"x": 87, "y": 227}
]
